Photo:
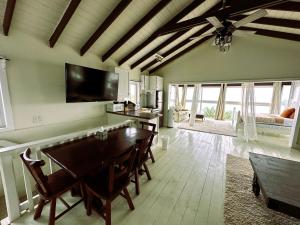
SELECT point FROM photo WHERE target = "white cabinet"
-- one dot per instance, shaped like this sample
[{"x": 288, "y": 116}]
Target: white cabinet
[
  {"x": 123, "y": 89},
  {"x": 144, "y": 82},
  {"x": 155, "y": 83}
]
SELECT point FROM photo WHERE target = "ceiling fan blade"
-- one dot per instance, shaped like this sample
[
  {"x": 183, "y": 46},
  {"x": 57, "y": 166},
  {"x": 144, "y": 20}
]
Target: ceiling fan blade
[
  {"x": 254, "y": 16},
  {"x": 243, "y": 33},
  {"x": 215, "y": 22},
  {"x": 201, "y": 36}
]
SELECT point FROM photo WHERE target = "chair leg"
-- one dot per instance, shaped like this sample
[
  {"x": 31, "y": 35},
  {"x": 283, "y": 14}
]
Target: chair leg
[
  {"x": 39, "y": 209},
  {"x": 88, "y": 205},
  {"x": 128, "y": 198},
  {"x": 108, "y": 212},
  {"x": 151, "y": 156},
  {"x": 147, "y": 171},
  {"x": 137, "y": 182},
  {"x": 83, "y": 193},
  {"x": 52, "y": 212}
]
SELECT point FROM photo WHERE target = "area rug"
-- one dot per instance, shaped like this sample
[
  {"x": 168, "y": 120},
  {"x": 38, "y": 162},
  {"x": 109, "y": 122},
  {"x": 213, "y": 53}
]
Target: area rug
[
  {"x": 210, "y": 126},
  {"x": 241, "y": 207}
]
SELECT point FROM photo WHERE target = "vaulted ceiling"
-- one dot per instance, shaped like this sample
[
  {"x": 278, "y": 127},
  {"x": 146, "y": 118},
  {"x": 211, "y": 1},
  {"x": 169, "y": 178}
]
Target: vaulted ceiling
[{"x": 131, "y": 32}]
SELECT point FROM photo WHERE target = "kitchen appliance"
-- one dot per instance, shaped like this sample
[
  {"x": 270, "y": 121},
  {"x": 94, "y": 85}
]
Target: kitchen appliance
[{"x": 154, "y": 101}]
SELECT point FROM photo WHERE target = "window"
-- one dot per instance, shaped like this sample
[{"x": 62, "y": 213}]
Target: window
[
  {"x": 189, "y": 98},
  {"x": 285, "y": 94},
  {"x": 263, "y": 98},
  {"x": 6, "y": 119},
  {"x": 134, "y": 92},
  {"x": 208, "y": 101},
  {"x": 233, "y": 100}
]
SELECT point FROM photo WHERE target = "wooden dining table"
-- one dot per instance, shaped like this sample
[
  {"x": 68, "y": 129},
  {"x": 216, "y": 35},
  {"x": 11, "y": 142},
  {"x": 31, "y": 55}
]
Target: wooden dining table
[{"x": 84, "y": 156}]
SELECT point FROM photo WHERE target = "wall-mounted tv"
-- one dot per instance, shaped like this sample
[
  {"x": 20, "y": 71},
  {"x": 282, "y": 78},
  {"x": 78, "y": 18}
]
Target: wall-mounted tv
[{"x": 85, "y": 84}]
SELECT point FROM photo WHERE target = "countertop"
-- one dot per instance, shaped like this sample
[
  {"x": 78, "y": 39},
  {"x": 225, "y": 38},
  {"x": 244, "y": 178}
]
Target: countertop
[{"x": 138, "y": 114}]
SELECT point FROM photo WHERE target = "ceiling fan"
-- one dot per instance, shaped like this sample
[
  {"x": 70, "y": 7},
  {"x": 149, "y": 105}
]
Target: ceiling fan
[{"x": 224, "y": 30}]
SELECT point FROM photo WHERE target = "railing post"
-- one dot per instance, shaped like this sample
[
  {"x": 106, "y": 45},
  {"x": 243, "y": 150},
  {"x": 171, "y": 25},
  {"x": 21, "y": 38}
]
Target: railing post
[
  {"x": 9, "y": 187},
  {"x": 28, "y": 188}
]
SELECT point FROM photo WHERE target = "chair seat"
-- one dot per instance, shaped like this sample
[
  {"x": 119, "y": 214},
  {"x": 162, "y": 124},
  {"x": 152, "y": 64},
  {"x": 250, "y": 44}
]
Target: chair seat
[
  {"x": 59, "y": 181},
  {"x": 99, "y": 184}
]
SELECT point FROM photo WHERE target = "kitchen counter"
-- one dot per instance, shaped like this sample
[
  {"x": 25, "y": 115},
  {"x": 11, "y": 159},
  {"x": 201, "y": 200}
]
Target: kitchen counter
[{"x": 138, "y": 114}]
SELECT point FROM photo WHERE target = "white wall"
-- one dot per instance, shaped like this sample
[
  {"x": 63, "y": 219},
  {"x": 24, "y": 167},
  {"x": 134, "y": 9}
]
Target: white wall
[{"x": 37, "y": 88}]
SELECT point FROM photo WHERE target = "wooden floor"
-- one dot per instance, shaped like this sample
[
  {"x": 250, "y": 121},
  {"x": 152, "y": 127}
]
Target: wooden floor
[{"x": 187, "y": 186}]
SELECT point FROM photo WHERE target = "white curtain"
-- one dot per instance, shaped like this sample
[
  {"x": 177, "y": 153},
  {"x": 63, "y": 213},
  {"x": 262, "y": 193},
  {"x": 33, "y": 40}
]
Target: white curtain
[
  {"x": 248, "y": 111},
  {"x": 276, "y": 98},
  {"x": 196, "y": 97},
  {"x": 295, "y": 87},
  {"x": 183, "y": 97},
  {"x": 177, "y": 100},
  {"x": 2, "y": 111},
  {"x": 221, "y": 103}
]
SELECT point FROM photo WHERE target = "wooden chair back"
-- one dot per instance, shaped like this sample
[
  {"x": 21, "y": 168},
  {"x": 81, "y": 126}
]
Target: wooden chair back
[
  {"x": 142, "y": 146},
  {"x": 34, "y": 167},
  {"x": 120, "y": 167},
  {"x": 148, "y": 126}
]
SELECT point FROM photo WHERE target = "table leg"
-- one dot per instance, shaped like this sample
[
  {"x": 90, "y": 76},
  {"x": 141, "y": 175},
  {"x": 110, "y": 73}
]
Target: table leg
[{"x": 255, "y": 185}]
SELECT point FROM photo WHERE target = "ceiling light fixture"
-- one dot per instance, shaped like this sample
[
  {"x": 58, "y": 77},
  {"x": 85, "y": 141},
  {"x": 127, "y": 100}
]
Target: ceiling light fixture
[
  {"x": 158, "y": 57},
  {"x": 223, "y": 41}
]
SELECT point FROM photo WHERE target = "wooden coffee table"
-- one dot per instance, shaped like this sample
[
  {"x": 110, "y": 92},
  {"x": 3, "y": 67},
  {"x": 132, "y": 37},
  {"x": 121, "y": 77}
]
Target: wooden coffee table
[{"x": 279, "y": 181}]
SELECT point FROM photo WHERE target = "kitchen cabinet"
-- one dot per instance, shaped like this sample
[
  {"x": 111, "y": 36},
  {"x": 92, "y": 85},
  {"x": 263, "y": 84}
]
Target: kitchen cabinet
[
  {"x": 144, "y": 82},
  {"x": 155, "y": 83}
]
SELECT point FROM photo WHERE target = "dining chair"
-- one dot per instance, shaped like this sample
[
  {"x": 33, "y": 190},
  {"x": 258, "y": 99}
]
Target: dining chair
[
  {"x": 140, "y": 165},
  {"x": 50, "y": 188},
  {"x": 151, "y": 127},
  {"x": 111, "y": 182}
]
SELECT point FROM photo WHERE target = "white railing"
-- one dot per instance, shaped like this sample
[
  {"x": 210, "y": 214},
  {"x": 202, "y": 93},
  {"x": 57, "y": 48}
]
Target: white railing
[{"x": 8, "y": 154}]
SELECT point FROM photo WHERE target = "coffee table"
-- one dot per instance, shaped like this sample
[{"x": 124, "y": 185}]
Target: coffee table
[{"x": 279, "y": 181}]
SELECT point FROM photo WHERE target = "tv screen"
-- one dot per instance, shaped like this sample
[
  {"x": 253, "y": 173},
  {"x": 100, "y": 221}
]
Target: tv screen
[{"x": 85, "y": 84}]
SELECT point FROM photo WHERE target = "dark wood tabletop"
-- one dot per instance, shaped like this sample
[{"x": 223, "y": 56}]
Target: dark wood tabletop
[
  {"x": 81, "y": 157},
  {"x": 279, "y": 181}
]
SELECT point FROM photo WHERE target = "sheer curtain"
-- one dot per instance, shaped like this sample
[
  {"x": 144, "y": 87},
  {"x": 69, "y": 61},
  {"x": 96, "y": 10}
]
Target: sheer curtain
[
  {"x": 248, "y": 111},
  {"x": 295, "y": 87},
  {"x": 221, "y": 103},
  {"x": 276, "y": 98},
  {"x": 196, "y": 97},
  {"x": 2, "y": 75},
  {"x": 183, "y": 97},
  {"x": 177, "y": 100}
]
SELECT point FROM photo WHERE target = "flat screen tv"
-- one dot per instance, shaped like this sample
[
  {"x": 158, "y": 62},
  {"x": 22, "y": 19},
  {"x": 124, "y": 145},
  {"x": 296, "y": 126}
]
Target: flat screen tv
[{"x": 85, "y": 84}]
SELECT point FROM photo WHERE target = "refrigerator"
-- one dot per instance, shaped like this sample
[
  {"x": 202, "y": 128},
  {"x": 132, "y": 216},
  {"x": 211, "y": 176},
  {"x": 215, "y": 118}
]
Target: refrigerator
[{"x": 154, "y": 100}]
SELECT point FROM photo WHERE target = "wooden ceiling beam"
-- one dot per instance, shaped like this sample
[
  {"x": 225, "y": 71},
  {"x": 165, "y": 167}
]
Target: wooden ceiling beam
[
  {"x": 167, "y": 42},
  {"x": 178, "y": 46},
  {"x": 8, "y": 14},
  {"x": 235, "y": 9},
  {"x": 159, "y": 47},
  {"x": 272, "y": 33},
  {"x": 287, "y": 6},
  {"x": 154, "y": 35},
  {"x": 71, "y": 8},
  {"x": 156, "y": 9},
  {"x": 273, "y": 21},
  {"x": 103, "y": 27},
  {"x": 188, "y": 49}
]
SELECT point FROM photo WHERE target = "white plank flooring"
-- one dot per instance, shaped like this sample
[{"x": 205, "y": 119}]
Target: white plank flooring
[{"x": 187, "y": 186}]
